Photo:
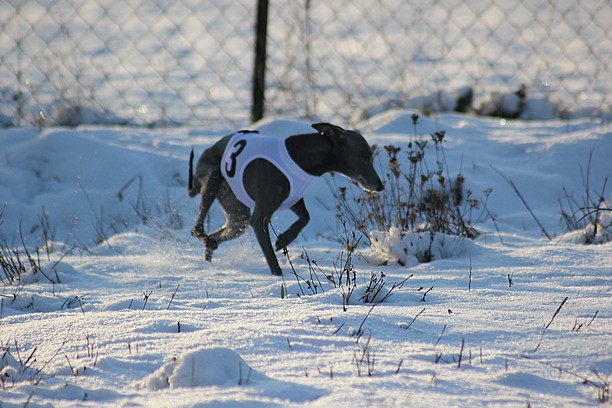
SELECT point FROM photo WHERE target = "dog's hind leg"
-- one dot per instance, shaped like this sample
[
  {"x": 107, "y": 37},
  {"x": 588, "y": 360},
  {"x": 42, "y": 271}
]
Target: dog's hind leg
[
  {"x": 236, "y": 214},
  {"x": 292, "y": 232},
  {"x": 208, "y": 193}
]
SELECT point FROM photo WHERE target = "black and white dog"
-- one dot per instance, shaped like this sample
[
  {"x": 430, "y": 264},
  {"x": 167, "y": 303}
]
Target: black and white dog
[{"x": 253, "y": 175}]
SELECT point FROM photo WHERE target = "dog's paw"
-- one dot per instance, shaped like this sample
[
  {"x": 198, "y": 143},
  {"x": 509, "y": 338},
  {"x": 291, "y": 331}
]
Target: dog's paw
[
  {"x": 211, "y": 245},
  {"x": 278, "y": 245},
  {"x": 208, "y": 255}
]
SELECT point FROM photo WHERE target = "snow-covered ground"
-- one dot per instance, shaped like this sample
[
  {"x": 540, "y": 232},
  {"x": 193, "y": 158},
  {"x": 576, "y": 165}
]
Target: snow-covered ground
[{"x": 126, "y": 312}]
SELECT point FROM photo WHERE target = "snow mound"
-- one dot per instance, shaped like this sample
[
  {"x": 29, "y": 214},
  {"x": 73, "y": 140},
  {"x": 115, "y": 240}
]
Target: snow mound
[
  {"x": 222, "y": 367},
  {"x": 51, "y": 272},
  {"x": 83, "y": 184},
  {"x": 202, "y": 368},
  {"x": 536, "y": 383},
  {"x": 43, "y": 303},
  {"x": 598, "y": 231},
  {"x": 400, "y": 121},
  {"x": 588, "y": 235},
  {"x": 10, "y": 369},
  {"x": 283, "y": 127},
  {"x": 397, "y": 247}
]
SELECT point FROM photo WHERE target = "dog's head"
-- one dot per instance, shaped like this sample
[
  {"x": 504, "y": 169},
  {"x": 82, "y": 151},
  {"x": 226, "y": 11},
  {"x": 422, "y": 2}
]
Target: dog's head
[{"x": 353, "y": 155}]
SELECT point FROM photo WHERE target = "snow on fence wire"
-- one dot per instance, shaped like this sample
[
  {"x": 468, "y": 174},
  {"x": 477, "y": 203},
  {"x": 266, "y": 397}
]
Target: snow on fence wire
[{"x": 190, "y": 61}]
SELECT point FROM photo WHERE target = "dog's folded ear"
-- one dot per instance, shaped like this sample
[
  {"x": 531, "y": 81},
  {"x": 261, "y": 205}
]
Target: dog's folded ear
[{"x": 327, "y": 129}]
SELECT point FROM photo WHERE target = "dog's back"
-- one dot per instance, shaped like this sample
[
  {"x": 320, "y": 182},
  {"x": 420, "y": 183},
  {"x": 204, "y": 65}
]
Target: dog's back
[{"x": 208, "y": 166}]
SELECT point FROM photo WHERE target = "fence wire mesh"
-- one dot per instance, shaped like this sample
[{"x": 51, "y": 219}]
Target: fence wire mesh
[
  {"x": 144, "y": 62},
  {"x": 189, "y": 62}
]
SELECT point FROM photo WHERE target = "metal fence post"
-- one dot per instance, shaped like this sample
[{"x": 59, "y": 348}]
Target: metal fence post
[{"x": 259, "y": 67}]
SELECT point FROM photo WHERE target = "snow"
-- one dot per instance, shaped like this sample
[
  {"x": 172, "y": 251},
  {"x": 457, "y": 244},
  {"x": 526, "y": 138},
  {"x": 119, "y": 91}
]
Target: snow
[
  {"x": 222, "y": 367},
  {"x": 126, "y": 312},
  {"x": 406, "y": 248}
]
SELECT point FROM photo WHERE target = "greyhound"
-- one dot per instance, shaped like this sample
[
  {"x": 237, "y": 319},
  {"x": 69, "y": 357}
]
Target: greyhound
[{"x": 253, "y": 175}]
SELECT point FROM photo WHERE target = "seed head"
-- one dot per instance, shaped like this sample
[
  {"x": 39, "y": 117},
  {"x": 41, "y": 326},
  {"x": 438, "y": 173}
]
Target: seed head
[{"x": 438, "y": 137}]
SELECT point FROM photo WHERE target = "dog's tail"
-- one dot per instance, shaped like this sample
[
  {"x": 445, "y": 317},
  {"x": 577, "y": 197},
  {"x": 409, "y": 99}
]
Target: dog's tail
[{"x": 191, "y": 189}]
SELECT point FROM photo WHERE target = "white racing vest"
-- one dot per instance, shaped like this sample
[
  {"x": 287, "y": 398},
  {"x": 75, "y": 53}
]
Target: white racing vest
[{"x": 244, "y": 147}]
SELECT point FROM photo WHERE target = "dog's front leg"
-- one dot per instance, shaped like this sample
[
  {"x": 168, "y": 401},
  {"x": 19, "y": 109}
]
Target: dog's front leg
[
  {"x": 260, "y": 224},
  {"x": 292, "y": 232}
]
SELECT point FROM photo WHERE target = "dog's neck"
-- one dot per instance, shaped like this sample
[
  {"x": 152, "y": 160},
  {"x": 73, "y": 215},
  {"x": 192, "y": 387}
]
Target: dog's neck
[{"x": 313, "y": 152}]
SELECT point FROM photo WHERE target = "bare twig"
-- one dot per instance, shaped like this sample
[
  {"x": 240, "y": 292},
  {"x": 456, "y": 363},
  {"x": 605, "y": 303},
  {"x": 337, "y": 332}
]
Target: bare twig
[
  {"x": 40, "y": 369},
  {"x": 563, "y": 370},
  {"x": 360, "y": 329},
  {"x": 470, "y": 276},
  {"x": 461, "y": 353},
  {"x": 593, "y": 318},
  {"x": 556, "y": 313},
  {"x": 518, "y": 193},
  {"x": 494, "y": 219},
  {"x": 425, "y": 293},
  {"x": 173, "y": 295},
  {"x": 440, "y": 338},
  {"x": 399, "y": 366},
  {"x": 415, "y": 317},
  {"x": 146, "y": 295},
  {"x": 549, "y": 323}
]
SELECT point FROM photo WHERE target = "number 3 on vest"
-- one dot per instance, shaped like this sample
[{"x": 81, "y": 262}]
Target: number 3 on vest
[{"x": 230, "y": 167}]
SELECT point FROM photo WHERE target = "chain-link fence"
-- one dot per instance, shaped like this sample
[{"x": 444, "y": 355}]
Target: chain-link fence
[
  {"x": 155, "y": 62},
  {"x": 348, "y": 58},
  {"x": 139, "y": 61}
]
